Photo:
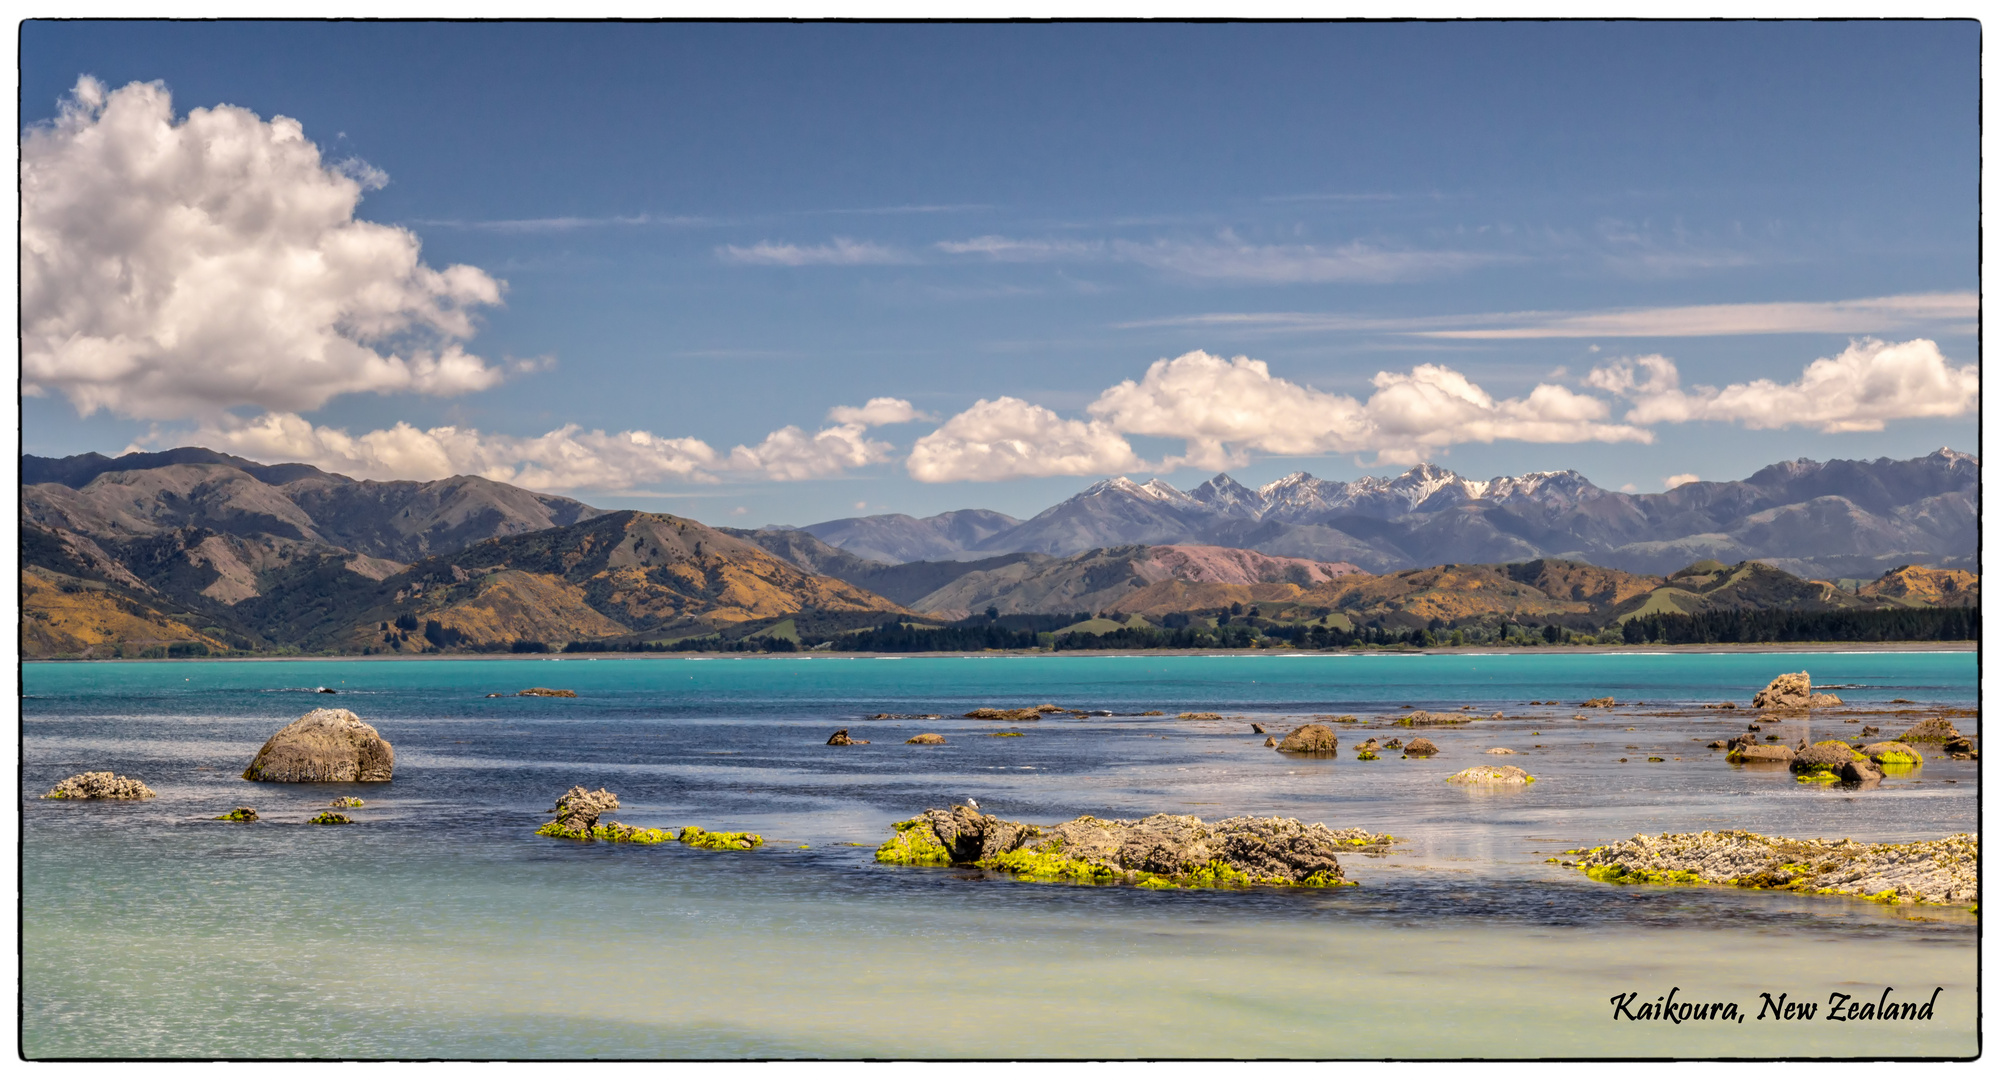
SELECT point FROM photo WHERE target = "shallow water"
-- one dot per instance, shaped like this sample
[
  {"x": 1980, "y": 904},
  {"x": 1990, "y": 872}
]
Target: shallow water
[{"x": 439, "y": 926}]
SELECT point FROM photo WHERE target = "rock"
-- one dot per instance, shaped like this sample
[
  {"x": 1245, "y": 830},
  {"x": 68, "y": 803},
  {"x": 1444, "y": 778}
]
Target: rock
[
  {"x": 1957, "y": 746},
  {"x": 1256, "y": 729},
  {"x": 1152, "y": 712},
  {"x": 1498, "y": 716},
  {"x": 328, "y": 817},
  {"x": 1502, "y": 750},
  {"x": 1761, "y": 753},
  {"x": 1791, "y": 691},
  {"x": 324, "y": 746},
  {"x": 1870, "y": 729},
  {"x": 1199, "y": 716},
  {"x": 1725, "y": 705},
  {"x": 1310, "y": 739},
  {"x": 346, "y": 802},
  {"x": 1004, "y": 714},
  {"x": 1599, "y": 703},
  {"x": 1394, "y": 744},
  {"x": 1860, "y": 772},
  {"x": 241, "y": 813},
  {"x": 1824, "y": 757},
  {"x": 1047, "y": 708},
  {"x": 1368, "y": 747},
  {"x": 1579, "y": 716},
  {"x": 1718, "y": 745},
  {"x": 1271, "y": 742},
  {"x": 1420, "y": 747},
  {"x": 1491, "y": 774},
  {"x": 840, "y": 739},
  {"x": 1931, "y": 871},
  {"x": 928, "y": 738},
  {"x": 1738, "y": 742},
  {"x": 1937, "y": 730},
  {"x": 496, "y": 695},
  {"x": 325, "y": 690},
  {"x": 1421, "y": 718},
  {"x": 1893, "y": 753},
  {"x": 100, "y": 785},
  {"x": 1161, "y": 851},
  {"x": 905, "y": 716},
  {"x": 576, "y": 812},
  {"x": 696, "y": 836},
  {"x": 543, "y": 691}
]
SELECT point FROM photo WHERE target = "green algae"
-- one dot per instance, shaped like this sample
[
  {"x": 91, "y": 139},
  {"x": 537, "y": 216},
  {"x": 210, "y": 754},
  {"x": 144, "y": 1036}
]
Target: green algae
[
  {"x": 630, "y": 834},
  {"x": 1820, "y": 775},
  {"x": 241, "y": 813},
  {"x": 1620, "y": 874},
  {"x": 696, "y": 836},
  {"x": 915, "y": 844},
  {"x": 328, "y": 817},
  {"x": 1365, "y": 755}
]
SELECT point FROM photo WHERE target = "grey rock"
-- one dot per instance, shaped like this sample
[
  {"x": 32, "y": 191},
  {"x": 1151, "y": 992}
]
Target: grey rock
[
  {"x": 324, "y": 746},
  {"x": 100, "y": 785},
  {"x": 577, "y": 809}
]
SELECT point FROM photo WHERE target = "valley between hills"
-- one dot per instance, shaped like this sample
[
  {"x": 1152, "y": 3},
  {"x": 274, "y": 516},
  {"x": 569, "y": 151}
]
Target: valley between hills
[{"x": 193, "y": 553}]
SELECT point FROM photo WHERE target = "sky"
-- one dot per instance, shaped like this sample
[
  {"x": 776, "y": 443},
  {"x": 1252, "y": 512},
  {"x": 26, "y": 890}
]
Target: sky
[{"x": 785, "y": 273}]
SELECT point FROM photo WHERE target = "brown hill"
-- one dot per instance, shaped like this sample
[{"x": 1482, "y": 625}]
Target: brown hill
[
  {"x": 1920, "y": 586},
  {"x": 63, "y": 615},
  {"x": 621, "y": 574}
]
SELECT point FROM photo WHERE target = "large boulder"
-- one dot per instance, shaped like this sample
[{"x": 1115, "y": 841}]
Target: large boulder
[
  {"x": 1825, "y": 757},
  {"x": 1893, "y": 753},
  {"x": 100, "y": 785},
  {"x": 577, "y": 810},
  {"x": 324, "y": 746},
  {"x": 1937, "y": 730},
  {"x": 1164, "y": 850},
  {"x": 1310, "y": 739},
  {"x": 1793, "y": 691}
]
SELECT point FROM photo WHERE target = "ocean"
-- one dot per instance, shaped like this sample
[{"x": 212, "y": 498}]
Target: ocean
[{"x": 439, "y": 926}]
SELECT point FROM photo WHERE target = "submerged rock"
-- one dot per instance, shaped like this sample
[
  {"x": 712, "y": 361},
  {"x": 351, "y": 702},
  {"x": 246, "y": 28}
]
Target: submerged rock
[
  {"x": 1501, "y": 750},
  {"x": 1420, "y": 718},
  {"x": 1005, "y": 714},
  {"x": 543, "y": 691},
  {"x": 100, "y": 785},
  {"x": 241, "y": 813},
  {"x": 1944, "y": 871},
  {"x": 1310, "y": 739},
  {"x": 324, "y": 746},
  {"x": 1420, "y": 747},
  {"x": 841, "y": 738},
  {"x": 1161, "y": 851},
  {"x": 928, "y": 738},
  {"x": 1762, "y": 753},
  {"x": 1599, "y": 703},
  {"x": 1199, "y": 716},
  {"x": 1491, "y": 774}
]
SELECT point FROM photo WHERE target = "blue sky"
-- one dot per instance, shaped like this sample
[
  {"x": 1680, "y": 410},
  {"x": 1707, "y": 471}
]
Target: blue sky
[{"x": 711, "y": 233}]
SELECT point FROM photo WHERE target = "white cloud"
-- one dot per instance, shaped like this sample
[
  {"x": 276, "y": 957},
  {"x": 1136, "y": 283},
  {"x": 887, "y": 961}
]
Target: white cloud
[
  {"x": 1225, "y": 407},
  {"x": 1678, "y": 479},
  {"x": 566, "y": 459},
  {"x": 878, "y": 411},
  {"x": 841, "y": 252},
  {"x": 1868, "y": 384},
  {"x": 176, "y": 269},
  {"x": 1227, "y": 257},
  {"x": 1008, "y": 438},
  {"x": 1009, "y": 249},
  {"x": 1874, "y": 315}
]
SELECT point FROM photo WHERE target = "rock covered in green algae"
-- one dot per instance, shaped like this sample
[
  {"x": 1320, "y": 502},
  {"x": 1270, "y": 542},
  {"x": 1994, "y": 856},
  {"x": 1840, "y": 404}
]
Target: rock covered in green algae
[
  {"x": 1937, "y": 730},
  {"x": 1893, "y": 753},
  {"x": 100, "y": 785},
  {"x": 1944, "y": 871},
  {"x": 1491, "y": 774},
  {"x": 241, "y": 813},
  {"x": 1310, "y": 739},
  {"x": 323, "y": 746},
  {"x": 1824, "y": 757},
  {"x": 1161, "y": 851},
  {"x": 696, "y": 836},
  {"x": 576, "y": 812},
  {"x": 1420, "y": 718},
  {"x": 328, "y": 817}
]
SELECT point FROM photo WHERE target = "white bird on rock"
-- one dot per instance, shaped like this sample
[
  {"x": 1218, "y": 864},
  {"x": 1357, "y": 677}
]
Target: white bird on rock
[{"x": 972, "y": 802}]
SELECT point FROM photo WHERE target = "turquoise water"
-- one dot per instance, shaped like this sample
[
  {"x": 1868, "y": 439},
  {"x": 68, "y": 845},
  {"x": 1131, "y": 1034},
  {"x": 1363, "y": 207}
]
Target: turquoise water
[{"x": 440, "y": 926}]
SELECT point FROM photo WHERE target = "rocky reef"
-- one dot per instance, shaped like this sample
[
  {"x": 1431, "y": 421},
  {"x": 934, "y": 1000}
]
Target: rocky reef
[
  {"x": 1944, "y": 871},
  {"x": 696, "y": 836},
  {"x": 543, "y": 691},
  {"x": 100, "y": 785},
  {"x": 1420, "y": 718},
  {"x": 1162, "y": 851},
  {"x": 324, "y": 746}
]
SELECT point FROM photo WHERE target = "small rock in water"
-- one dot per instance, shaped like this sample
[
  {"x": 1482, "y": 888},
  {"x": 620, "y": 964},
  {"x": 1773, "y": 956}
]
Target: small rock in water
[
  {"x": 840, "y": 739},
  {"x": 1491, "y": 774},
  {"x": 1860, "y": 772},
  {"x": 1268, "y": 741},
  {"x": 543, "y": 691},
  {"x": 1420, "y": 747},
  {"x": 1599, "y": 703},
  {"x": 241, "y": 813},
  {"x": 577, "y": 811},
  {"x": 346, "y": 802},
  {"x": 100, "y": 785},
  {"x": 326, "y": 690},
  {"x": 1256, "y": 729},
  {"x": 328, "y": 817},
  {"x": 1200, "y": 716},
  {"x": 928, "y": 738},
  {"x": 1310, "y": 739},
  {"x": 1502, "y": 750},
  {"x": 1936, "y": 729}
]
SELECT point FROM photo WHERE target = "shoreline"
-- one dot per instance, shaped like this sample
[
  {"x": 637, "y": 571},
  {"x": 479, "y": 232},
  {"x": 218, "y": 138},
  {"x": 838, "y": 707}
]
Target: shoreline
[{"x": 1778, "y": 647}]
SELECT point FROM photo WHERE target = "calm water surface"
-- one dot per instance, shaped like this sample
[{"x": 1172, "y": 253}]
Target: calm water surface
[{"x": 440, "y": 926}]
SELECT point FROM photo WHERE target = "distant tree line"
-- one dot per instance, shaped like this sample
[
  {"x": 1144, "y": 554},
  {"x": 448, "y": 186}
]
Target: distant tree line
[
  {"x": 1722, "y": 627},
  {"x": 902, "y": 637}
]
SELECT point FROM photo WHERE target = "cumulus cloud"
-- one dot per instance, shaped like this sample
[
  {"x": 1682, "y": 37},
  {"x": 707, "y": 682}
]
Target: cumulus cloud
[
  {"x": 1008, "y": 438},
  {"x": 878, "y": 411},
  {"x": 1867, "y": 385},
  {"x": 841, "y": 252},
  {"x": 566, "y": 459},
  {"x": 1678, "y": 479},
  {"x": 173, "y": 269}
]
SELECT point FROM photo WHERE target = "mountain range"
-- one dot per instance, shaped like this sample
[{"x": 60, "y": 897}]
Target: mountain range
[{"x": 1830, "y": 519}]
